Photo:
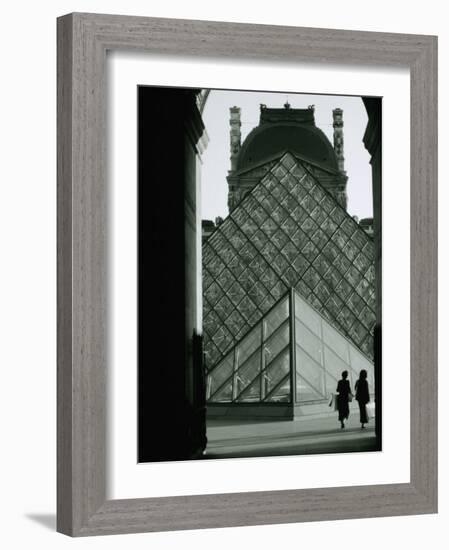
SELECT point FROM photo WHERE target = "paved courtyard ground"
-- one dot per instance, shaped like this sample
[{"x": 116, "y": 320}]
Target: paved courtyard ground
[{"x": 239, "y": 438}]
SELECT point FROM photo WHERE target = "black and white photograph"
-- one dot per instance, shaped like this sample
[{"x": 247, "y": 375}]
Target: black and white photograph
[{"x": 259, "y": 267}]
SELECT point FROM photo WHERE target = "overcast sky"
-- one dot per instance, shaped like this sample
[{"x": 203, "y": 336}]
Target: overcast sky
[{"x": 216, "y": 163}]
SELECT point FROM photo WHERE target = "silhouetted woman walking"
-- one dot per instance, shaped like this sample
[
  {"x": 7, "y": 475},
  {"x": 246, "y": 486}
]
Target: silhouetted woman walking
[
  {"x": 362, "y": 396},
  {"x": 344, "y": 393}
]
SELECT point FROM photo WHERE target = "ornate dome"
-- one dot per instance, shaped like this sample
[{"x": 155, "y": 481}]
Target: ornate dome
[{"x": 269, "y": 139}]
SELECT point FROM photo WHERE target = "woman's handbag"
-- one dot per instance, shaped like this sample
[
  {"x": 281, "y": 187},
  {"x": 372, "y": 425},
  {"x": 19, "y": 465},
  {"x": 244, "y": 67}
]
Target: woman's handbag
[
  {"x": 333, "y": 401},
  {"x": 371, "y": 409}
]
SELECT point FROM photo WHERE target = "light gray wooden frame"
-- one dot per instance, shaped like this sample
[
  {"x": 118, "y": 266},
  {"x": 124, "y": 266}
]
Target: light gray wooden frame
[{"x": 83, "y": 40}]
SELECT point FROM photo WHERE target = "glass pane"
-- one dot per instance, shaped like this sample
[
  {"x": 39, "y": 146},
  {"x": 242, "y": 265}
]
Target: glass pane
[
  {"x": 301, "y": 265},
  {"x": 222, "y": 339},
  {"x": 278, "y": 290},
  {"x": 235, "y": 323},
  {"x": 280, "y": 239},
  {"x": 308, "y": 341},
  {"x": 331, "y": 381},
  {"x": 236, "y": 293},
  {"x": 213, "y": 293},
  {"x": 310, "y": 251},
  {"x": 359, "y": 362},
  {"x": 247, "y": 372},
  {"x": 346, "y": 319},
  {"x": 336, "y": 366},
  {"x": 289, "y": 225},
  {"x": 272, "y": 375},
  {"x": 274, "y": 319},
  {"x": 223, "y": 307},
  {"x": 358, "y": 332},
  {"x": 238, "y": 239},
  {"x": 247, "y": 308},
  {"x": 258, "y": 239},
  {"x": 257, "y": 293},
  {"x": 290, "y": 252},
  {"x": 317, "y": 192},
  {"x": 304, "y": 392},
  {"x": 297, "y": 171},
  {"x": 269, "y": 278},
  {"x": 269, "y": 227},
  {"x": 248, "y": 227},
  {"x": 251, "y": 393},
  {"x": 276, "y": 343},
  {"x": 270, "y": 251},
  {"x": 319, "y": 237},
  {"x": 213, "y": 354},
  {"x": 367, "y": 346},
  {"x": 327, "y": 203},
  {"x": 280, "y": 264},
  {"x": 311, "y": 371},
  {"x": 224, "y": 395},
  {"x": 336, "y": 342},
  {"x": 227, "y": 254},
  {"x": 248, "y": 345},
  {"x": 226, "y": 279},
  {"x": 281, "y": 393},
  {"x": 308, "y": 316},
  {"x": 221, "y": 373},
  {"x": 228, "y": 229}
]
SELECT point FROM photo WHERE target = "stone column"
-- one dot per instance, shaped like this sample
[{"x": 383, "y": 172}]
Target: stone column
[
  {"x": 235, "y": 135},
  {"x": 338, "y": 139},
  {"x": 373, "y": 144},
  {"x": 340, "y": 188},
  {"x": 170, "y": 370}
]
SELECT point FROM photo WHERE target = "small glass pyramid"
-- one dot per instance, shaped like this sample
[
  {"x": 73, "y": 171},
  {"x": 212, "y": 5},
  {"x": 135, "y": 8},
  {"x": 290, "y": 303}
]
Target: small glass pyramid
[{"x": 292, "y": 355}]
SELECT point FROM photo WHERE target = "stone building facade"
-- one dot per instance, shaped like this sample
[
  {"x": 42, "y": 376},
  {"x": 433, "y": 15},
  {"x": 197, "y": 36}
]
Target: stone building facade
[{"x": 279, "y": 131}]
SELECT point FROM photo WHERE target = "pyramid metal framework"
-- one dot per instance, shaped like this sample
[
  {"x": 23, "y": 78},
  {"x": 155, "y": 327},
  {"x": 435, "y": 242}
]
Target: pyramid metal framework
[
  {"x": 292, "y": 355},
  {"x": 287, "y": 232}
]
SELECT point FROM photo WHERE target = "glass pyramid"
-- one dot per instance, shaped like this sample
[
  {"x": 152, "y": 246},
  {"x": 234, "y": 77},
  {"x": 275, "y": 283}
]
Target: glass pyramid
[
  {"x": 291, "y": 355},
  {"x": 288, "y": 231}
]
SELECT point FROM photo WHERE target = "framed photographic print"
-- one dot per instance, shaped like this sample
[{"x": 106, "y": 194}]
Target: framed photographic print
[
  {"x": 288, "y": 278},
  {"x": 233, "y": 324}
]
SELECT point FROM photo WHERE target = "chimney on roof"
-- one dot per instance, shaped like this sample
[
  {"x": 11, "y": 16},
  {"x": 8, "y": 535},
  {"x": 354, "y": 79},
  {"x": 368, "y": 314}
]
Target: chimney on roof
[
  {"x": 235, "y": 135},
  {"x": 338, "y": 139}
]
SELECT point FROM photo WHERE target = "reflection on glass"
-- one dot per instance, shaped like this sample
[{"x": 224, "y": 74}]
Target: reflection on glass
[
  {"x": 335, "y": 365},
  {"x": 275, "y": 372},
  {"x": 248, "y": 345},
  {"x": 251, "y": 393},
  {"x": 308, "y": 316},
  {"x": 308, "y": 341},
  {"x": 311, "y": 371},
  {"x": 321, "y": 360},
  {"x": 305, "y": 392},
  {"x": 281, "y": 393},
  {"x": 221, "y": 373},
  {"x": 359, "y": 362},
  {"x": 225, "y": 394},
  {"x": 247, "y": 372},
  {"x": 276, "y": 343},
  {"x": 238, "y": 377},
  {"x": 334, "y": 340}
]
